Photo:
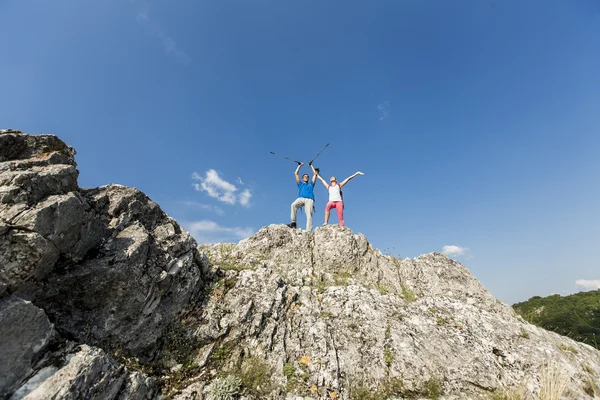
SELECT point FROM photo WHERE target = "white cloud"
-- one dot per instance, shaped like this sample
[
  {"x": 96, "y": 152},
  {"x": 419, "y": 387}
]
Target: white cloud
[
  {"x": 588, "y": 284},
  {"x": 240, "y": 181},
  {"x": 207, "y": 231},
  {"x": 169, "y": 45},
  {"x": 454, "y": 251},
  {"x": 384, "y": 110},
  {"x": 245, "y": 197},
  {"x": 215, "y": 186},
  {"x": 220, "y": 189}
]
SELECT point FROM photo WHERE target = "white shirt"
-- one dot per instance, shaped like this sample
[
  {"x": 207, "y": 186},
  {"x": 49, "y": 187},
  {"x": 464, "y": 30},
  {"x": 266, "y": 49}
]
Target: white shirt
[{"x": 335, "y": 193}]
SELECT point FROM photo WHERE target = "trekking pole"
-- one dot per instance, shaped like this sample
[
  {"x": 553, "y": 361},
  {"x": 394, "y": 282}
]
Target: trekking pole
[
  {"x": 279, "y": 155},
  {"x": 311, "y": 161}
]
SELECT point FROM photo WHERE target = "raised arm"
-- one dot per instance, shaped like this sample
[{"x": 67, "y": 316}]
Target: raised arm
[
  {"x": 296, "y": 172},
  {"x": 323, "y": 181},
  {"x": 350, "y": 177},
  {"x": 315, "y": 173}
]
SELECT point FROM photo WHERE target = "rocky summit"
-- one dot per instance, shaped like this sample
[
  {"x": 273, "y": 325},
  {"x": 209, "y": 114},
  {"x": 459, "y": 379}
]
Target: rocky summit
[{"x": 104, "y": 296}]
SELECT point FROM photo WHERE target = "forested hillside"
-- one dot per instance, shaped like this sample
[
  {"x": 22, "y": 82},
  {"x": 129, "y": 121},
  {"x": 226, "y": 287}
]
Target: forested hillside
[{"x": 576, "y": 316}]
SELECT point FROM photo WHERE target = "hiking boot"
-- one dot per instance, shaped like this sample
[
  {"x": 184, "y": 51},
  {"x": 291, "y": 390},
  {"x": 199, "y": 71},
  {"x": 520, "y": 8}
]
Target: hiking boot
[{"x": 292, "y": 225}]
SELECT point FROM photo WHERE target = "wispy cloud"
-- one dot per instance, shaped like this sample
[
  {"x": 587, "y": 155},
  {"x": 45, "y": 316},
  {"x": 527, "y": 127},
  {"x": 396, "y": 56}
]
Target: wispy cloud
[
  {"x": 588, "y": 284},
  {"x": 220, "y": 189},
  {"x": 155, "y": 29},
  {"x": 207, "y": 231},
  {"x": 245, "y": 197},
  {"x": 454, "y": 251},
  {"x": 384, "y": 110},
  {"x": 207, "y": 207},
  {"x": 142, "y": 13}
]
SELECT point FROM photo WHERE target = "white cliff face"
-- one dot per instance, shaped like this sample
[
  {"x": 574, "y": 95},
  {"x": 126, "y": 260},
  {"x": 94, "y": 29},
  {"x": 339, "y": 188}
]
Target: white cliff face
[
  {"x": 103, "y": 296},
  {"x": 331, "y": 316}
]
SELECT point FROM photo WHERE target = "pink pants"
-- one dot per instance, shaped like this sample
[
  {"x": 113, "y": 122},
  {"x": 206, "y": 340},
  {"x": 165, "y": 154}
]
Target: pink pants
[{"x": 339, "y": 207}]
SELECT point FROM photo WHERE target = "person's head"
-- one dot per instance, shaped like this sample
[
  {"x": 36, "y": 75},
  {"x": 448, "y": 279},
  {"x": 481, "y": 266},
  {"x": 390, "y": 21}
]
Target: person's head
[
  {"x": 305, "y": 178},
  {"x": 333, "y": 180}
]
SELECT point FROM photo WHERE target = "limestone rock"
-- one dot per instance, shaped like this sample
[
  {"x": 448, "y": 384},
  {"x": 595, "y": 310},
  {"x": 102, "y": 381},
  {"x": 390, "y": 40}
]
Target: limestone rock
[
  {"x": 327, "y": 315},
  {"x": 106, "y": 266},
  {"x": 25, "y": 332},
  {"x": 111, "y": 249},
  {"x": 88, "y": 374},
  {"x": 24, "y": 255}
]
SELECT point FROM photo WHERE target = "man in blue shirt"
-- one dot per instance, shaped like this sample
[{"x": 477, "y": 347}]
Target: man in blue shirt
[{"x": 306, "y": 197}]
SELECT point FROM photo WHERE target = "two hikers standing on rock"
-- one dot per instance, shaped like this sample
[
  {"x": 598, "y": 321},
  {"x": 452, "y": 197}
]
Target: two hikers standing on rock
[{"x": 306, "y": 197}]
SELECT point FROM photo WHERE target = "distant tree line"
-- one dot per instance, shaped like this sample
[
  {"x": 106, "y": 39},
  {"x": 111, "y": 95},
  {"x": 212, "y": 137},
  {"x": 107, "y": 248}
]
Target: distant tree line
[{"x": 576, "y": 316}]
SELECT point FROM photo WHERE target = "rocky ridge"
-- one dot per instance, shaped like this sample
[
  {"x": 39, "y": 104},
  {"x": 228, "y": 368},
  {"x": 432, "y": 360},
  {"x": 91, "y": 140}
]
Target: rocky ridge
[
  {"x": 100, "y": 267},
  {"x": 103, "y": 296}
]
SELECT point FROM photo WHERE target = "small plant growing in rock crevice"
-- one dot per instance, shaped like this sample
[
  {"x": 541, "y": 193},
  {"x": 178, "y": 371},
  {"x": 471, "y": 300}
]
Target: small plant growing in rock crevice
[
  {"x": 524, "y": 334},
  {"x": 433, "y": 388},
  {"x": 388, "y": 388},
  {"x": 553, "y": 381},
  {"x": 255, "y": 377},
  {"x": 326, "y": 315},
  {"x": 296, "y": 383},
  {"x": 569, "y": 348},
  {"x": 224, "y": 388},
  {"x": 289, "y": 370},
  {"x": 178, "y": 379},
  {"x": 226, "y": 284},
  {"x": 388, "y": 357},
  {"x": 359, "y": 391},
  {"x": 341, "y": 278},
  {"x": 179, "y": 343},
  {"x": 227, "y": 261},
  {"x": 221, "y": 353},
  {"x": 508, "y": 394},
  {"x": 408, "y": 294},
  {"x": 382, "y": 289},
  {"x": 321, "y": 286},
  {"x": 589, "y": 369}
]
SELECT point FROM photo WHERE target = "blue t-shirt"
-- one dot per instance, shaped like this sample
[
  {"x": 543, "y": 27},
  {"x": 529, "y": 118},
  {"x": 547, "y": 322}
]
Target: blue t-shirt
[{"x": 306, "y": 190}]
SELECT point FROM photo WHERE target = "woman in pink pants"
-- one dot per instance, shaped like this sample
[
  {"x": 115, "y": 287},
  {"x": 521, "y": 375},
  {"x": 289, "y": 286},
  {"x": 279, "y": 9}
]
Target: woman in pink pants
[{"x": 335, "y": 197}]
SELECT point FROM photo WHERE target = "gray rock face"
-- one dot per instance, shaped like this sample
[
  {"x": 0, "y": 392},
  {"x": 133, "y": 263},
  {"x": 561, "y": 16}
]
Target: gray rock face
[
  {"x": 88, "y": 374},
  {"x": 25, "y": 333},
  {"x": 135, "y": 282},
  {"x": 35, "y": 171},
  {"x": 107, "y": 266},
  {"x": 109, "y": 250}
]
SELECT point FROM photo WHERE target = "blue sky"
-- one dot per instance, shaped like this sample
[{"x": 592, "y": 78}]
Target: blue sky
[{"x": 475, "y": 122}]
